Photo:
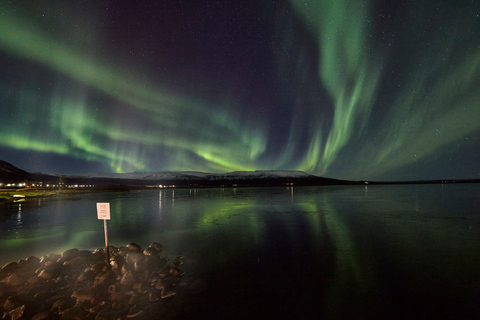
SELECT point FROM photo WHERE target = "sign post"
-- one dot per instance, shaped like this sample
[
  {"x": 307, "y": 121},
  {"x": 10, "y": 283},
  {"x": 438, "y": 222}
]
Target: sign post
[{"x": 103, "y": 212}]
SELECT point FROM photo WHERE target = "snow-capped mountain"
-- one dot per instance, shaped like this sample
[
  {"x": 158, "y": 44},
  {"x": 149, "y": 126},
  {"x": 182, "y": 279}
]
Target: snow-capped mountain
[
  {"x": 9, "y": 173},
  {"x": 196, "y": 178},
  {"x": 195, "y": 175}
]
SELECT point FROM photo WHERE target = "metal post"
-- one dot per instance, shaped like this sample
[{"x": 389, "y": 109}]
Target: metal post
[{"x": 106, "y": 243}]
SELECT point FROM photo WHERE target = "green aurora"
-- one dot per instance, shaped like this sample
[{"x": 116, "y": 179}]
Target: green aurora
[{"x": 384, "y": 92}]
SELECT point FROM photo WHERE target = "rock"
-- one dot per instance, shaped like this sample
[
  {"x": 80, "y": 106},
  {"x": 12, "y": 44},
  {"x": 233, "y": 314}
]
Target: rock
[
  {"x": 85, "y": 253},
  {"x": 96, "y": 309},
  {"x": 177, "y": 262},
  {"x": 59, "y": 305},
  {"x": 138, "y": 287},
  {"x": 156, "y": 246},
  {"x": 112, "y": 288},
  {"x": 51, "y": 264},
  {"x": 168, "y": 292},
  {"x": 80, "y": 285},
  {"x": 53, "y": 257},
  {"x": 153, "y": 294},
  {"x": 75, "y": 261},
  {"x": 87, "y": 275},
  {"x": 138, "y": 301},
  {"x": 49, "y": 274},
  {"x": 5, "y": 291},
  {"x": 118, "y": 296},
  {"x": 9, "y": 267},
  {"x": 105, "y": 314},
  {"x": 43, "y": 295},
  {"x": 134, "y": 313},
  {"x": 69, "y": 254},
  {"x": 13, "y": 302},
  {"x": 155, "y": 262},
  {"x": 112, "y": 250},
  {"x": 123, "y": 250},
  {"x": 160, "y": 285},
  {"x": 33, "y": 290},
  {"x": 176, "y": 272},
  {"x": 35, "y": 280},
  {"x": 129, "y": 266},
  {"x": 128, "y": 279},
  {"x": 75, "y": 313},
  {"x": 30, "y": 264},
  {"x": 121, "y": 311},
  {"x": 98, "y": 267},
  {"x": 45, "y": 315},
  {"x": 150, "y": 251},
  {"x": 17, "y": 313},
  {"x": 140, "y": 266},
  {"x": 165, "y": 272},
  {"x": 118, "y": 262},
  {"x": 105, "y": 278},
  {"x": 14, "y": 280},
  {"x": 134, "y": 247},
  {"x": 135, "y": 256},
  {"x": 84, "y": 294},
  {"x": 33, "y": 259},
  {"x": 165, "y": 282}
]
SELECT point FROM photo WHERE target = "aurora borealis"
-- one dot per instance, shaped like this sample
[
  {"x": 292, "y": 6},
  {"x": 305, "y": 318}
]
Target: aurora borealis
[{"x": 385, "y": 90}]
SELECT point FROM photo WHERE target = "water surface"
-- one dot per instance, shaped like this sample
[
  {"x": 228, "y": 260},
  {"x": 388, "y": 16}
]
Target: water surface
[{"x": 399, "y": 251}]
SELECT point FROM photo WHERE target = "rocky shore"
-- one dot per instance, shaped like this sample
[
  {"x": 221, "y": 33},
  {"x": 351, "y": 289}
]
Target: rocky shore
[{"x": 136, "y": 283}]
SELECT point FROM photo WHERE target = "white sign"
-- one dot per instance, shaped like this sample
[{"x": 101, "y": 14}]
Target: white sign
[{"x": 103, "y": 211}]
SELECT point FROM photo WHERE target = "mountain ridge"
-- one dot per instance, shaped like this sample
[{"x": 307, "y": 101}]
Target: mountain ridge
[{"x": 177, "y": 178}]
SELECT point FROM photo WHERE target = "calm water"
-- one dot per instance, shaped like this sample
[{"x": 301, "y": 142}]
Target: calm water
[{"x": 354, "y": 252}]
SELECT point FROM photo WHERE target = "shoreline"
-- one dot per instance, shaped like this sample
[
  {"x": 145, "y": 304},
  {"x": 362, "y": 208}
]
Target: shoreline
[
  {"x": 8, "y": 195},
  {"x": 135, "y": 284}
]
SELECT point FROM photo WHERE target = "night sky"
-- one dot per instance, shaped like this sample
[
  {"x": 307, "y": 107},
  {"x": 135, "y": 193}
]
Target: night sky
[{"x": 361, "y": 90}]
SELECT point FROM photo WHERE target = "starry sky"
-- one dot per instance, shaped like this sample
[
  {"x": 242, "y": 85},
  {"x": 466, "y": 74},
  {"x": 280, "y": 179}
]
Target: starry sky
[{"x": 347, "y": 89}]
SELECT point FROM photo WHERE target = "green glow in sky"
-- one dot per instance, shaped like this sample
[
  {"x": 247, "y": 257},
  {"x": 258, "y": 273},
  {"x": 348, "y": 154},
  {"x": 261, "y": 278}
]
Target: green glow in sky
[
  {"x": 432, "y": 113},
  {"x": 345, "y": 70},
  {"x": 213, "y": 136},
  {"x": 433, "y": 110},
  {"x": 349, "y": 89}
]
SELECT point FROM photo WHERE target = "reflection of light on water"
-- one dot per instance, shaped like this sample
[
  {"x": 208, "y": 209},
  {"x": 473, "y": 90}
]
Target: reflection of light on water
[
  {"x": 19, "y": 215},
  {"x": 352, "y": 271},
  {"x": 194, "y": 192},
  {"x": 160, "y": 199},
  {"x": 19, "y": 220},
  {"x": 173, "y": 198}
]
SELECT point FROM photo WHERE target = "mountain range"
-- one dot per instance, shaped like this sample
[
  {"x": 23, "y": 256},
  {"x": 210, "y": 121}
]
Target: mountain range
[{"x": 11, "y": 174}]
